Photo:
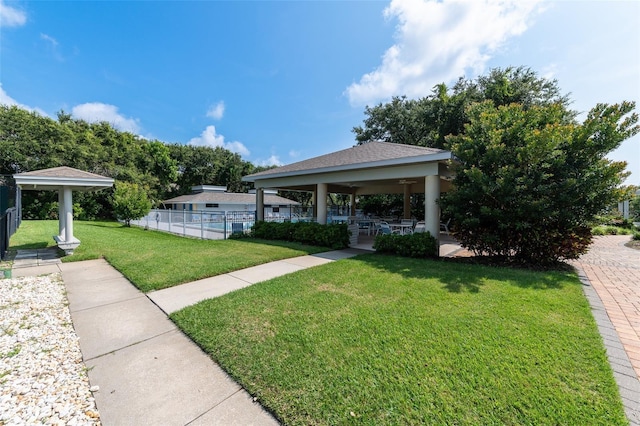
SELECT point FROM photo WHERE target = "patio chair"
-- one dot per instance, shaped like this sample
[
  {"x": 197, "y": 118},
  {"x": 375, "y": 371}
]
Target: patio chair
[
  {"x": 384, "y": 229},
  {"x": 374, "y": 227},
  {"x": 365, "y": 225},
  {"x": 445, "y": 226},
  {"x": 420, "y": 227}
]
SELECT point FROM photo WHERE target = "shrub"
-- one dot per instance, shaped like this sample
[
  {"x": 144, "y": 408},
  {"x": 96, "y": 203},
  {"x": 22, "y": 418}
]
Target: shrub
[
  {"x": 335, "y": 236},
  {"x": 613, "y": 220},
  {"x": 611, "y": 230},
  {"x": 634, "y": 208},
  {"x": 238, "y": 236},
  {"x": 413, "y": 245},
  {"x": 529, "y": 180},
  {"x": 130, "y": 202}
]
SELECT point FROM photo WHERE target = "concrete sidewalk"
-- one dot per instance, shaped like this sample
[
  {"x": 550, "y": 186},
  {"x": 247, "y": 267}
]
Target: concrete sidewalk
[
  {"x": 147, "y": 370},
  {"x": 175, "y": 298}
]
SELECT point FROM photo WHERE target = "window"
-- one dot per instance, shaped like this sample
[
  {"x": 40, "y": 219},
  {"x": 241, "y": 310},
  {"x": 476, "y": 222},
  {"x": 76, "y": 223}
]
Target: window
[
  {"x": 276, "y": 209},
  {"x": 212, "y": 205}
]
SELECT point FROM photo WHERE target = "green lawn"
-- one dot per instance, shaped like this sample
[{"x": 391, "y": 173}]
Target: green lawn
[
  {"x": 378, "y": 339},
  {"x": 387, "y": 340},
  {"x": 153, "y": 260}
]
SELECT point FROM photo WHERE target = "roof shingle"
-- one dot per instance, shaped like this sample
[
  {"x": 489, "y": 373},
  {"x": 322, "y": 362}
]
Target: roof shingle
[
  {"x": 62, "y": 172},
  {"x": 370, "y": 152}
]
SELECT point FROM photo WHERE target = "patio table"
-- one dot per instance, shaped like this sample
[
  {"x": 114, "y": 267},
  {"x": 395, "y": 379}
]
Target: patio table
[{"x": 402, "y": 227}]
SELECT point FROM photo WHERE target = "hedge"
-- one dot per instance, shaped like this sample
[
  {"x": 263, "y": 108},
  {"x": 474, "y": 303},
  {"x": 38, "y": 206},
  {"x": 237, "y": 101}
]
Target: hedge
[
  {"x": 420, "y": 244},
  {"x": 335, "y": 236}
]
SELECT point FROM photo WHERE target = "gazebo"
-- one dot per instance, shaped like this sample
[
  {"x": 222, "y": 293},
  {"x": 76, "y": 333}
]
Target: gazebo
[
  {"x": 370, "y": 168},
  {"x": 65, "y": 180}
]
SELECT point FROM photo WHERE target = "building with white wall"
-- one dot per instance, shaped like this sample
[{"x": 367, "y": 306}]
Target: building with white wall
[{"x": 216, "y": 198}]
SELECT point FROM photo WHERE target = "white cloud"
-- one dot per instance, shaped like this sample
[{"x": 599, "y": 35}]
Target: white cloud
[
  {"x": 95, "y": 112},
  {"x": 437, "y": 41},
  {"x": 46, "y": 37},
  {"x": 216, "y": 111},
  {"x": 8, "y": 100},
  {"x": 53, "y": 46},
  {"x": 274, "y": 160},
  {"x": 210, "y": 138},
  {"x": 5, "y": 99},
  {"x": 294, "y": 154},
  {"x": 549, "y": 72},
  {"x": 11, "y": 17}
]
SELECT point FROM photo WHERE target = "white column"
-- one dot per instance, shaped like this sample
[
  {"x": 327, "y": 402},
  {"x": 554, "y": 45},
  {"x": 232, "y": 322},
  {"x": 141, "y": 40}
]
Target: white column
[
  {"x": 407, "y": 201},
  {"x": 321, "y": 198},
  {"x": 61, "y": 216},
  {"x": 259, "y": 204},
  {"x": 68, "y": 214},
  {"x": 431, "y": 209}
]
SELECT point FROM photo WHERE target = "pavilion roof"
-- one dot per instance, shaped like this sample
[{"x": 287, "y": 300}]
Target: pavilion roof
[{"x": 371, "y": 154}]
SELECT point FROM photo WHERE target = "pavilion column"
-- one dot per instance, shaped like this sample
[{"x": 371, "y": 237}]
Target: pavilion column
[
  {"x": 431, "y": 210},
  {"x": 259, "y": 204},
  {"x": 68, "y": 214},
  {"x": 407, "y": 201},
  {"x": 321, "y": 198},
  {"x": 353, "y": 204},
  {"x": 314, "y": 204},
  {"x": 61, "y": 215}
]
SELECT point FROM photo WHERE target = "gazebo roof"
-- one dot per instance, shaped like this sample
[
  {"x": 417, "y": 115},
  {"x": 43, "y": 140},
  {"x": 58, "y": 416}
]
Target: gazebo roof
[
  {"x": 58, "y": 177},
  {"x": 368, "y": 155}
]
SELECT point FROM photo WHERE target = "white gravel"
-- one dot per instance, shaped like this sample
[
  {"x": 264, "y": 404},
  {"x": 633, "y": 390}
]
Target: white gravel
[{"x": 42, "y": 377}]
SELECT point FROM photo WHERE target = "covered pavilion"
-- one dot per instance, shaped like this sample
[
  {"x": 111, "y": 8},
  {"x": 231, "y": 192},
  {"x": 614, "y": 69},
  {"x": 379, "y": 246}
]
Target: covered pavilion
[
  {"x": 370, "y": 168},
  {"x": 64, "y": 180}
]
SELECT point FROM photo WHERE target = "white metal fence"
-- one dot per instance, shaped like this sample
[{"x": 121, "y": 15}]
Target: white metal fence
[{"x": 208, "y": 224}]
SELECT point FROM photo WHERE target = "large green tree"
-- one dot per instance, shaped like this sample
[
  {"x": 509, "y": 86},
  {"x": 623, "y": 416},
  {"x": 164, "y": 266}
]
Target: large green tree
[
  {"x": 200, "y": 165},
  {"x": 530, "y": 176},
  {"x": 429, "y": 120},
  {"x": 529, "y": 182},
  {"x": 30, "y": 141}
]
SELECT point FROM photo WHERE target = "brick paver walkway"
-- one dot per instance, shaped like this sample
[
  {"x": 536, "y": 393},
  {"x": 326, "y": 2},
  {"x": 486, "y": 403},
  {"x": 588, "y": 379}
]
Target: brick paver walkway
[
  {"x": 611, "y": 274},
  {"x": 614, "y": 272}
]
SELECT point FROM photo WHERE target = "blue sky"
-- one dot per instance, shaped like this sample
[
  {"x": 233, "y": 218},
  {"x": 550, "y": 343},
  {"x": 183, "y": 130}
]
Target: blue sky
[{"x": 280, "y": 81}]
